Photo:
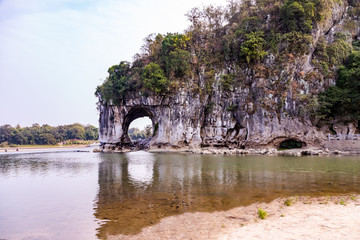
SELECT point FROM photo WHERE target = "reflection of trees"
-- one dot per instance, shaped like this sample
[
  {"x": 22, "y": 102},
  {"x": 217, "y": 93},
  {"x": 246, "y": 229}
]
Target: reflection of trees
[
  {"x": 43, "y": 164},
  {"x": 182, "y": 183}
]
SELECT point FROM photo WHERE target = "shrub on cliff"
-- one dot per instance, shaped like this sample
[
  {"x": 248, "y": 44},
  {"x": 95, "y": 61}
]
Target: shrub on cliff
[
  {"x": 253, "y": 48},
  {"x": 223, "y": 38},
  {"x": 296, "y": 43},
  {"x": 328, "y": 56},
  {"x": 177, "y": 63},
  {"x": 298, "y": 15},
  {"x": 343, "y": 99},
  {"x": 154, "y": 79},
  {"x": 117, "y": 83}
]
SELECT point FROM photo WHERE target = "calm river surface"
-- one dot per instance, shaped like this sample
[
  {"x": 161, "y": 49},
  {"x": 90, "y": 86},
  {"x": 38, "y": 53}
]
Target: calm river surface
[{"x": 82, "y": 195}]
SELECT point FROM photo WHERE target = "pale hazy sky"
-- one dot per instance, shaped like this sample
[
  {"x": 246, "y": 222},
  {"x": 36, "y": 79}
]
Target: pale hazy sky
[{"x": 53, "y": 53}]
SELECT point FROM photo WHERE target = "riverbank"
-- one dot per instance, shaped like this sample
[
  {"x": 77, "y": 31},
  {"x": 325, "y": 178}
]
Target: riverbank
[
  {"x": 43, "y": 148},
  {"x": 335, "y": 217},
  {"x": 252, "y": 151},
  {"x": 331, "y": 147},
  {"x": 296, "y": 152}
]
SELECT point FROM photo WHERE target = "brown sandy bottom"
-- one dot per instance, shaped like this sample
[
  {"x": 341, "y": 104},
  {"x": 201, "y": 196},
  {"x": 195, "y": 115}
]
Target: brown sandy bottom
[{"x": 335, "y": 217}]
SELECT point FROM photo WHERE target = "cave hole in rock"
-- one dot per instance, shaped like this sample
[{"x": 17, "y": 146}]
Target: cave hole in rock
[
  {"x": 291, "y": 144},
  {"x": 140, "y": 129}
]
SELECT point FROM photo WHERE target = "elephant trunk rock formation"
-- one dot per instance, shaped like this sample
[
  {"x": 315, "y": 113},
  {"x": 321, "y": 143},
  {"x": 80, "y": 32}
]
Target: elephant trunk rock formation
[
  {"x": 234, "y": 104},
  {"x": 183, "y": 121}
]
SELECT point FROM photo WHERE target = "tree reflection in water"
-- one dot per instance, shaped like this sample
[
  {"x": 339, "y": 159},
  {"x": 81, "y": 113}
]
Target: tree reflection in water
[{"x": 139, "y": 189}]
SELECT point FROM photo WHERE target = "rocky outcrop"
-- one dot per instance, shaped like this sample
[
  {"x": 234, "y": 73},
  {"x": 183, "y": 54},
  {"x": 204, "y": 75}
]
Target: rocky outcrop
[
  {"x": 266, "y": 106},
  {"x": 230, "y": 120}
]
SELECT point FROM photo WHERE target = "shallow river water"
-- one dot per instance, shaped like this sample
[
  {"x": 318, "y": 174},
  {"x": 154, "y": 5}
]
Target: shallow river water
[{"x": 84, "y": 195}]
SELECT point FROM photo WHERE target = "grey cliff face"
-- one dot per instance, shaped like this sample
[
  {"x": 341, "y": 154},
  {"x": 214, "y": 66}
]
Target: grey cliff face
[{"x": 261, "y": 110}]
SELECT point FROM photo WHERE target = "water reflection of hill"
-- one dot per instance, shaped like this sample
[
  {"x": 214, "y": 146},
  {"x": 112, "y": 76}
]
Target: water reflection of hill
[{"x": 138, "y": 189}]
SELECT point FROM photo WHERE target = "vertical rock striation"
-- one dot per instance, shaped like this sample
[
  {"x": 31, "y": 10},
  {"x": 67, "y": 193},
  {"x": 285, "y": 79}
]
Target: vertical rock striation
[{"x": 267, "y": 105}]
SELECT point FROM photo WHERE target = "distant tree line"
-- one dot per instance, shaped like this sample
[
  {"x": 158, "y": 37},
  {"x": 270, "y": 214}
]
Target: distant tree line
[
  {"x": 45, "y": 134},
  {"x": 136, "y": 134}
]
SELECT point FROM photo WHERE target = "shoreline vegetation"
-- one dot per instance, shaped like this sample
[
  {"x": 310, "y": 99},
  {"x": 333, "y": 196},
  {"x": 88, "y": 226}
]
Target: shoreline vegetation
[
  {"x": 296, "y": 217},
  {"x": 45, "y": 135}
]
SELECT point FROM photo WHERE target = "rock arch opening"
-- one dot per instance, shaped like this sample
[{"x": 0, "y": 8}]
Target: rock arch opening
[
  {"x": 291, "y": 144},
  {"x": 139, "y": 127}
]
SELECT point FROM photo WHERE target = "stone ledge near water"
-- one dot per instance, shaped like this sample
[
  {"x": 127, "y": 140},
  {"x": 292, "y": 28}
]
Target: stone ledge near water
[{"x": 108, "y": 148}]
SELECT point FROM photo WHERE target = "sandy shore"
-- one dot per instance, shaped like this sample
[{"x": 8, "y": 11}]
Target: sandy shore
[{"x": 306, "y": 218}]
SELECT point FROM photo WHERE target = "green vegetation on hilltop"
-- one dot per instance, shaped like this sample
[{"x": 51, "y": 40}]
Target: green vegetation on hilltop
[
  {"x": 218, "y": 38},
  {"x": 253, "y": 47},
  {"x": 299, "y": 15},
  {"x": 45, "y": 134},
  {"x": 165, "y": 60},
  {"x": 154, "y": 78},
  {"x": 225, "y": 41}
]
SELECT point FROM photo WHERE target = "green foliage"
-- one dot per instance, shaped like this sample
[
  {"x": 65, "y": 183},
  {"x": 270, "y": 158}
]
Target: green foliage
[
  {"x": 249, "y": 24},
  {"x": 136, "y": 134},
  {"x": 253, "y": 47},
  {"x": 45, "y": 134},
  {"x": 156, "y": 127},
  {"x": 5, "y": 133},
  {"x": 297, "y": 43},
  {"x": 288, "y": 202},
  {"x": 272, "y": 42},
  {"x": 227, "y": 82},
  {"x": 322, "y": 58},
  {"x": 226, "y": 38},
  {"x": 298, "y": 15},
  {"x": 232, "y": 107},
  {"x": 354, "y": 9},
  {"x": 174, "y": 41},
  {"x": 148, "y": 131},
  {"x": 343, "y": 99},
  {"x": 177, "y": 63},
  {"x": 340, "y": 36},
  {"x": 75, "y": 131},
  {"x": 353, "y": 197},
  {"x": 333, "y": 54},
  {"x": 262, "y": 213},
  {"x": 308, "y": 105},
  {"x": 153, "y": 47},
  {"x": 338, "y": 51},
  {"x": 118, "y": 83},
  {"x": 91, "y": 132},
  {"x": 331, "y": 102},
  {"x": 356, "y": 45},
  {"x": 154, "y": 79},
  {"x": 174, "y": 55}
]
